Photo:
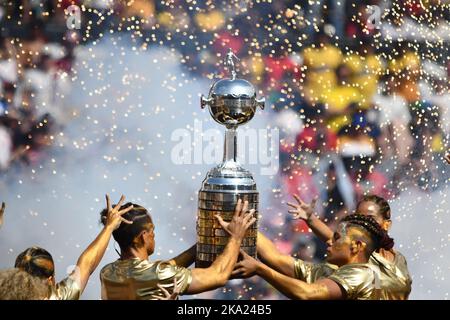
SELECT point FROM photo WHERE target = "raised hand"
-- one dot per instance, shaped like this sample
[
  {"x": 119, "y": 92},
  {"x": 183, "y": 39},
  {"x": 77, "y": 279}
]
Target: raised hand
[
  {"x": 241, "y": 221},
  {"x": 302, "y": 210},
  {"x": 447, "y": 158},
  {"x": 2, "y": 211},
  {"x": 114, "y": 215},
  {"x": 246, "y": 267},
  {"x": 167, "y": 295}
]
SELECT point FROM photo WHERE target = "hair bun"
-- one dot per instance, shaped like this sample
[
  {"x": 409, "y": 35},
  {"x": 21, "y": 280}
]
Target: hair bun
[{"x": 103, "y": 216}]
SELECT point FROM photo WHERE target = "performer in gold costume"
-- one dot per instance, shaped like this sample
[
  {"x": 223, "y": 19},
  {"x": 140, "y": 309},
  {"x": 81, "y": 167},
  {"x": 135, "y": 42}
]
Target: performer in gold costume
[
  {"x": 346, "y": 275},
  {"x": 134, "y": 277},
  {"x": 394, "y": 275},
  {"x": 39, "y": 262}
]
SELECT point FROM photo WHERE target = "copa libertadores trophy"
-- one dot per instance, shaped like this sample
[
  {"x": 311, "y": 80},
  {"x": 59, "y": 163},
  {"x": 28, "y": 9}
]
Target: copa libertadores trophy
[{"x": 232, "y": 102}]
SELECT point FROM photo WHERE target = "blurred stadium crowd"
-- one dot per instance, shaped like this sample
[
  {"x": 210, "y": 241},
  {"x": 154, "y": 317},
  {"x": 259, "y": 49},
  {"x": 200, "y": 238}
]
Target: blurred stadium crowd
[{"x": 362, "y": 105}]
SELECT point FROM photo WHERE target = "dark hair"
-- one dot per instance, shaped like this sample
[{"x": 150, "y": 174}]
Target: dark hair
[
  {"x": 126, "y": 233},
  {"x": 37, "y": 262},
  {"x": 380, "y": 237},
  {"x": 385, "y": 209}
]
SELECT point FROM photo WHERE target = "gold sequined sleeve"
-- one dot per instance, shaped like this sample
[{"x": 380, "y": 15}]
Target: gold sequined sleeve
[
  {"x": 67, "y": 289},
  {"x": 166, "y": 273},
  {"x": 302, "y": 269},
  {"x": 311, "y": 272},
  {"x": 357, "y": 281}
]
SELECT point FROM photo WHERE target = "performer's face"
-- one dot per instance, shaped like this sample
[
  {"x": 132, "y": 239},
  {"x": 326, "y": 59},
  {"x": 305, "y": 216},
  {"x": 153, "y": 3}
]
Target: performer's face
[
  {"x": 369, "y": 208},
  {"x": 342, "y": 247}
]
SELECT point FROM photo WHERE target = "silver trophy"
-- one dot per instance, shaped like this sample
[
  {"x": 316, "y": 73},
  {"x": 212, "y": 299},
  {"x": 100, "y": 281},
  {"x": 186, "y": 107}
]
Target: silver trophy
[{"x": 232, "y": 102}]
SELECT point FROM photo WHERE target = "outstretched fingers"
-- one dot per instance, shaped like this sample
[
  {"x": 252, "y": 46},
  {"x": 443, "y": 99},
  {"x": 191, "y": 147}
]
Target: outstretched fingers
[
  {"x": 222, "y": 222},
  {"x": 249, "y": 218},
  {"x": 300, "y": 202},
  {"x": 122, "y": 199},
  {"x": 249, "y": 215},
  {"x": 237, "y": 272},
  {"x": 252, "y": 221},
  {"x": 244, "y": 208},
  {"x": 313, "y": 202},
  {"x": 176, "y": 287},
  {"x": 166, "y": 293},
  {"x": 126, "y": 221},
  {"x": 108, "y": 203},
  {"x": 238, "y": 208},
  {"x": 122, "y": 212},
  {"x": 292, "y": 205},
  {"x": 243, "y": 253}
]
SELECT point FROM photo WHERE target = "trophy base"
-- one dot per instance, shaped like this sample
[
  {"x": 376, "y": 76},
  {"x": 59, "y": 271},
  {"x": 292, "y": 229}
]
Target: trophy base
[
  {"x": 220, "y": 192},
  {"x": 206, "y": 264}
]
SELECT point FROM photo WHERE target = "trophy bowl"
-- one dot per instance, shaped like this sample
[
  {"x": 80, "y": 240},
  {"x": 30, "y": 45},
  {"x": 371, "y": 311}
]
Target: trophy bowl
[{"x": 232, "y": 102}]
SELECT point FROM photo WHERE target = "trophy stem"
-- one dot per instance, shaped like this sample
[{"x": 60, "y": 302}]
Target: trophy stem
[{"x": 230, "y": 145}]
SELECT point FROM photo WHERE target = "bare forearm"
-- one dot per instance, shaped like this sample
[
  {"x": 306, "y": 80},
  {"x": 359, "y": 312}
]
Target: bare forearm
[
  {"x": 92, "y": 256},
  {"x": 290, "y": 287},
  {"x": 319, "y": 228},
  {"x": 269, "y": 254},
  {"x": 224, "y": 264},
  {"x": 218, "y": 273},
  {"x": 186, "y": 258}
]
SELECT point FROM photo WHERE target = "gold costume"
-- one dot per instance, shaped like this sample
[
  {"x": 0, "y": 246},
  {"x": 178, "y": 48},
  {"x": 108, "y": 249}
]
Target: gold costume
[
  {"x": 136, "y": 279},
  {"x": 394, "y": 276},
  {"x": 311, "y": 272},
  {"x": 378, "y": 279},
  {"x": 67, "y": 289},
  {"x": 358, "y": 280}
]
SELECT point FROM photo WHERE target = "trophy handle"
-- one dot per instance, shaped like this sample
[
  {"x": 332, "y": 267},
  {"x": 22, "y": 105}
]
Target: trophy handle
[
  {"x": 204, "y": 101},
  {"x": 261, "y": 103}
]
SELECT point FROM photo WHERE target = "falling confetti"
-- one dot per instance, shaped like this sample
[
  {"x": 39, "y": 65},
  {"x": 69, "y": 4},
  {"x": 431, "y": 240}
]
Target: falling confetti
[{"x": 360, "y": 95}]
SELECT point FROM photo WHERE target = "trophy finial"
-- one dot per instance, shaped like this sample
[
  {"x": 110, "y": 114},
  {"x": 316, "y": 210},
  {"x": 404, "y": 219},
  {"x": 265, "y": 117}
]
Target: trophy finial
[{"x": 229, "y": 63}]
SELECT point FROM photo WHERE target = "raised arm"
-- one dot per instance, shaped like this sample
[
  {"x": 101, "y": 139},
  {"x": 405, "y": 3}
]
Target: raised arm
[
  {"x": 304, "y": 211},
  {"x": 186, "y": 258},
  {"x": 91, "y": 257},
  {"x": 270, "y": 255},
  {"x": 319, "y": 228},
  {"x": 324, "y": 289},
  {"x": 220, "y": 270}
]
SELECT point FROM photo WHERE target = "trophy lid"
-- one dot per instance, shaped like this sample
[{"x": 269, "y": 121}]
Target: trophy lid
[{"x": 233, "y": 88}]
